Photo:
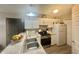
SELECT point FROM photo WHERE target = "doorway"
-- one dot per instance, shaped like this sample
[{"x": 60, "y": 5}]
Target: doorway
[{"x": 13, "y": 26}]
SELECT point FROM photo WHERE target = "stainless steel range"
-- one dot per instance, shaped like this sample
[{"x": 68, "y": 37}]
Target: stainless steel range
[{"x": 45, "y": 37}]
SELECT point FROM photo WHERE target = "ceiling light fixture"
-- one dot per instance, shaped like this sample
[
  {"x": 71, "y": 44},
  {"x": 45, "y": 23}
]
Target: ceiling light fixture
[
  {"x": 55, "y": 11},
  {"x": 31, "y": 11},
  {"x": 31, "y": 14}
]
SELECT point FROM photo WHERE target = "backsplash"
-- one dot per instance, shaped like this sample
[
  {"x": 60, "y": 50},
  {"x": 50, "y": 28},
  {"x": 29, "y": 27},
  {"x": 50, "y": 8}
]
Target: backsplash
[{"x": 31, "y": 32}]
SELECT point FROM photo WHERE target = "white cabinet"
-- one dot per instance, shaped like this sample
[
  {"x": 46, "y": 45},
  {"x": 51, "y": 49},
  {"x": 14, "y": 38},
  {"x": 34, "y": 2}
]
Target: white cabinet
[
  {"x": 46, "y": 21},
  {"x": 31, "y": 23},
  {"x": 53, "y": 39},
  {"x": 35, "y": 24},
  {"x": 27, "y": 24}
]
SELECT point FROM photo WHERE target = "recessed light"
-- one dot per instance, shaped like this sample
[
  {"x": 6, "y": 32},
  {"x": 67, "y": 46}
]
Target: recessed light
[{"x": 55, "y": 11}]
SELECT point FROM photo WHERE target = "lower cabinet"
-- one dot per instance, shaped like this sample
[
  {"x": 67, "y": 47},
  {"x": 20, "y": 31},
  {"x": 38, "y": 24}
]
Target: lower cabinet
[{"x": 53, "y": 39}]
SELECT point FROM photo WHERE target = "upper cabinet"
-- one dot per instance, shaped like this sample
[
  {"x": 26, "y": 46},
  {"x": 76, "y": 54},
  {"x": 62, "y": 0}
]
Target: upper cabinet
[
  {"x": 47, "y": 21},
  {"x": 31, "y": 23},
  {"x": 34, "y": 22}
]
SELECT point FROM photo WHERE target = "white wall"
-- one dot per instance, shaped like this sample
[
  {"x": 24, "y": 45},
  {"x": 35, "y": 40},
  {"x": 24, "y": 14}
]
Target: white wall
[
  {"x": 3, "y": 26},
  {"x": 75, "y": 29},
  {"x": 69, "y": 31}
]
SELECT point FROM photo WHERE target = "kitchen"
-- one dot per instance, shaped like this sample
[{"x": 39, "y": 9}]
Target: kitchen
[{"x": 36, "y": 29}]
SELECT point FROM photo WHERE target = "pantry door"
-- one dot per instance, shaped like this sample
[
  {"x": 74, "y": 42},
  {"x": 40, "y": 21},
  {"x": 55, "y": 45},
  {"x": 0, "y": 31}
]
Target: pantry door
[{"x": 75, "y": 29}]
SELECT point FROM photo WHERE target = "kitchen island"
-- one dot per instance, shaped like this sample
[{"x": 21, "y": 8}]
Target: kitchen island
[{"x": 19, "y": 48}]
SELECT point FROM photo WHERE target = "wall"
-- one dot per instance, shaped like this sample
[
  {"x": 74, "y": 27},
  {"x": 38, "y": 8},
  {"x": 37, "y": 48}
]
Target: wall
[
  {"x": 3, "y": 26},
  {"x": 75, "y": 29}
]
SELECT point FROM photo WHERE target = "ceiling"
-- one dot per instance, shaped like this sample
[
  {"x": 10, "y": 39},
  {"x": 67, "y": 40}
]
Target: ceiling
[
  {"x": 64, "y": 9},
  {"x": 12, "y": 8}
]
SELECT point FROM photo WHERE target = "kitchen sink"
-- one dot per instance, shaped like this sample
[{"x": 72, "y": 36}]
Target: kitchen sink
[
  {"x": 30, "y": 44},
  {"x": 31, "y": 40}
]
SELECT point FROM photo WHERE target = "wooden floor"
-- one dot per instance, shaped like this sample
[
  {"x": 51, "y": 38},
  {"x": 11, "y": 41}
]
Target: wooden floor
[
  {"x": 1, "y": 48},
  {"x": 65, "y": 49}
]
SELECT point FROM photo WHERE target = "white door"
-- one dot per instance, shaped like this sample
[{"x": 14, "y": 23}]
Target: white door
[{"x": 75, "y": 29}]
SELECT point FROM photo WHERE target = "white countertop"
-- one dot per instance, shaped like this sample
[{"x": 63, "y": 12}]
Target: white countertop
[{"x": 18, "y": 48}]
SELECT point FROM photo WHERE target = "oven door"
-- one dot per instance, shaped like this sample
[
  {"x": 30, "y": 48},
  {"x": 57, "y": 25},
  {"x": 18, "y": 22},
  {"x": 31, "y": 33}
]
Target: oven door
[{"x": 45, "y": 40}]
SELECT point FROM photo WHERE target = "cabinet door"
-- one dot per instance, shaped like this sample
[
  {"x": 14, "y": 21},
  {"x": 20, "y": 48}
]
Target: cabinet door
[
  {"x": 28, "y": 24},
  {"x": 53, "y": 39},
  {"x": 42, "y": 21},
  {"x": 46, "y": 21},
  {"x": 35, "y": 24},
  {"x": 31, "y": 23}
]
